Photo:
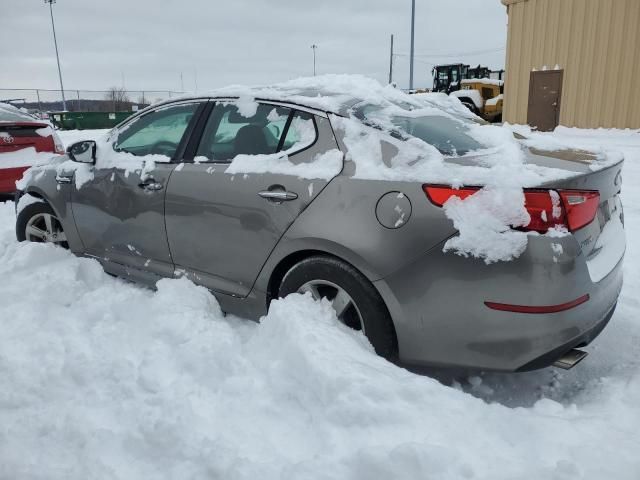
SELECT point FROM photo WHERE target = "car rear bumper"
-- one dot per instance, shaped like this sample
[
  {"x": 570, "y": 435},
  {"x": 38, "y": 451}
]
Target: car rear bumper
[{"x": 438, "y": 307}]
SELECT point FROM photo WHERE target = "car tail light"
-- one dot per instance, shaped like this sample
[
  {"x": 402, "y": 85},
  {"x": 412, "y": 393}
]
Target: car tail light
[
  {"x": 581, "y": 207},
  {"x": 571, "y": 209},
  {"x": 58, "y": 145}
]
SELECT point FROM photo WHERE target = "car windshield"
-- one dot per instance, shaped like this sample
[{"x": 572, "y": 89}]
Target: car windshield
[{"x": 450, "y": 136}]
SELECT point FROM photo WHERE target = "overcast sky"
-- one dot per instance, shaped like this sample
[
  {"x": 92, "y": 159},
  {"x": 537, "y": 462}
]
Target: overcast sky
[{"x": 238, "y": 41}]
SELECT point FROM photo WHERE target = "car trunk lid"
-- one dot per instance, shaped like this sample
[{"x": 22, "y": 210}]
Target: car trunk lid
[{"x": 602, "y": 240}]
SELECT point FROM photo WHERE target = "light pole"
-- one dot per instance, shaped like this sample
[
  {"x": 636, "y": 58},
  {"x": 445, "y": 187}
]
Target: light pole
[
  {"x": 413, "y": 24},
  {"x": 391, "y": 62},
  {"x": 314, "y": 48},
  {"x": 55, "y": 42}
]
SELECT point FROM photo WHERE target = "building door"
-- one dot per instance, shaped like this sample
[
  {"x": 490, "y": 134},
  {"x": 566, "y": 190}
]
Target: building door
[{"x": 545, "y": 91}]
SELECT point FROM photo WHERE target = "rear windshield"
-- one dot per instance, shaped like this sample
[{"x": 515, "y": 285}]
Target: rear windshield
[
  {"x": 449, "y": 135},
  {"x": 12, "y": 114}
]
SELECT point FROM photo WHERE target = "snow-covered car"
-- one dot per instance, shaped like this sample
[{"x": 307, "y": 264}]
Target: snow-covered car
[
  {"x": 445, "y": 241},
  {"x": 23, "y": 139}
]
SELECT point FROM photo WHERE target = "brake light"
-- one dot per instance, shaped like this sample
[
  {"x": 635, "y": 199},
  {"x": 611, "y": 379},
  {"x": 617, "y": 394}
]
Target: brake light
[
  {"x": 439, "y": 194},
  {"x": 58, "y": 145},
  {"x": 570, "y": 209},
  {"x": 581, "y": 207}
]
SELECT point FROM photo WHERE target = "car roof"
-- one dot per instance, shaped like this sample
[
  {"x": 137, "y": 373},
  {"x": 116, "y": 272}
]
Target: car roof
[{"x": 328, "y": 93}]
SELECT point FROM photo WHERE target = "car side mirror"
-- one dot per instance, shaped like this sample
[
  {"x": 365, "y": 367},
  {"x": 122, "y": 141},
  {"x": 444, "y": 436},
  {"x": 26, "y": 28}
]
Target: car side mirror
[{"x": 83, "y": 152}]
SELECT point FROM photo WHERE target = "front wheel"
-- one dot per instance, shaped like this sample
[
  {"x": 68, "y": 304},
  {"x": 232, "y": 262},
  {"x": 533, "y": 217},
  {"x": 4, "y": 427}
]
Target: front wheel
[
  {"x": 355, "y": 300},
  {"x": 38, "y": 222}
]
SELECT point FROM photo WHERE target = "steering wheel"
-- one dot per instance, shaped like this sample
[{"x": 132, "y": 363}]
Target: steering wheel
[{"x": 163, "y": 147}]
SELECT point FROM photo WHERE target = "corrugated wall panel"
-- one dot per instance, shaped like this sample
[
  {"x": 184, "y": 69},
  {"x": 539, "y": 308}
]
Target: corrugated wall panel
[
  {"x": 614, "y": 57},
  {"x": 623, "y": 80},
  {"x": 633, "y": 111},
  {"x": 595, "y": 42}
]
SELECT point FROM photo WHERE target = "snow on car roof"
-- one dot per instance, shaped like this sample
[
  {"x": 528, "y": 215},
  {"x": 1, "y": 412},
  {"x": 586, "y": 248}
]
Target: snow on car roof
[
  {"x": 9, "y": 113},
  {"x": 329, "y": 93}
]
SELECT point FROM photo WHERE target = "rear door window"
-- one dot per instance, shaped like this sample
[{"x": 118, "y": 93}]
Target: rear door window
[{"x": 271, "y": 129}]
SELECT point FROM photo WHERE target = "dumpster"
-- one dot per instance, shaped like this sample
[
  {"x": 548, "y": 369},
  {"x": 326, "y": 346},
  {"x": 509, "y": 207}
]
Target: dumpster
[{"x": 87, "y": 120}]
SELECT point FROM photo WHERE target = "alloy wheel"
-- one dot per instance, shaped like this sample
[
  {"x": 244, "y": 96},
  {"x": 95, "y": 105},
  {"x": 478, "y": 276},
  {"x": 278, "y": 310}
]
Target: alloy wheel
[
  {"x": 44, "y": 227},
  {"x": 346, "y": 309}
]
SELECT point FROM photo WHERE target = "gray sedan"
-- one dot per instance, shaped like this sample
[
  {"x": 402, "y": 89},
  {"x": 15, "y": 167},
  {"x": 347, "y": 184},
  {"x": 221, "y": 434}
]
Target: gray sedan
[{"x": 213, "y": 201}]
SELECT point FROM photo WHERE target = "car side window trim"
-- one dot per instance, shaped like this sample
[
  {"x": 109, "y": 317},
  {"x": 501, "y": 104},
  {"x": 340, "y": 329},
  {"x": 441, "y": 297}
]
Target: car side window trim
[
  {"x": 191, "y": 140},
  {"x": 285, "y": 130},
  {"x": 315, "y": 129},
  {"x": 276, "y": 103},
  {"x": 197, "y": 136}
]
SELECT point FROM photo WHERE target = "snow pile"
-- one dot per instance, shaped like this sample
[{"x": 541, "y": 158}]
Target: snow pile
[
  {"x": 473, "y": 95},
  {"x": 104, "y": 379},
  {"x": 597, "y": 144},
  {"x": 494, "y": 101},
  {"x": 447, "y": 103},
  {"x": 485, "y": 225}
]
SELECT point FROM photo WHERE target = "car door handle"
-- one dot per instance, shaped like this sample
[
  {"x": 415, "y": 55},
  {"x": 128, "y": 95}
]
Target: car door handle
[
  {"x": 64, "y": 178},
  {"x": 151, "y": 186},
  {"x": 278, "y": 195}
]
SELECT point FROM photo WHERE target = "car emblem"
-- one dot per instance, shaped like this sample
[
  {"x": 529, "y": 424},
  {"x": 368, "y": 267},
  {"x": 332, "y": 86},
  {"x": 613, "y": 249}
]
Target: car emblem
[{"x": 7, "y": 138}]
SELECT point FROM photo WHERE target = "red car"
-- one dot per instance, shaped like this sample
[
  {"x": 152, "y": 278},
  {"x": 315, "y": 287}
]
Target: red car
[{"x": 23, "y": 139}]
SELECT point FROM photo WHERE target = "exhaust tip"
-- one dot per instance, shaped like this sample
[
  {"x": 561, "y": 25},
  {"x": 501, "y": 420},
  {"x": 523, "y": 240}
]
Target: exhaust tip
[{"x": 570, "y": 359}]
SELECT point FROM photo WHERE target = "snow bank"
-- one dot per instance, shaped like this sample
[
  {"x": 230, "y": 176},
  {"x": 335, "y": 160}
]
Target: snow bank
[{"x": 104, "y": 379}]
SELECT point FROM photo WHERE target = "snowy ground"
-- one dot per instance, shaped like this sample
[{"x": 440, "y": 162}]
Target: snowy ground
[{"x": 104, "y": 379}]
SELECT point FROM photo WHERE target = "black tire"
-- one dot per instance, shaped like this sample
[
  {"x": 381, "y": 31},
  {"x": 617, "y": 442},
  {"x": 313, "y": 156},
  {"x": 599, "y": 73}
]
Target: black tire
[
  {"x": 470, "y": 106},
  {"x": 377, "y": 321},
  {"x": 28, "y": 213}
]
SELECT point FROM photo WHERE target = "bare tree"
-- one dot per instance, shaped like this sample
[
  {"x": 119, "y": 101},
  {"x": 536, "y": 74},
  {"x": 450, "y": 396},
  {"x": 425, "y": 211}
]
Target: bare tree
[{"x": 118, "y": 98}]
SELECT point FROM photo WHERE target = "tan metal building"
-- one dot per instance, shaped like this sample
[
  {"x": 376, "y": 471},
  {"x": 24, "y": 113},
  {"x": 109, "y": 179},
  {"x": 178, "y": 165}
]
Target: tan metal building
[{"x": 573, "y": 62}]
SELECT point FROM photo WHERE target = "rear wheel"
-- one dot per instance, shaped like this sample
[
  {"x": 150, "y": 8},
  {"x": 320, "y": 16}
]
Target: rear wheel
[
  {"x": 355, "y": 300},
  {"x": 38, "y": 222}
]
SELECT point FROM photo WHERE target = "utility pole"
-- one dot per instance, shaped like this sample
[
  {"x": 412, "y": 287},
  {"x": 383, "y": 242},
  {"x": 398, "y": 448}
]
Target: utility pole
[
  {"x": 314, "y": 47},
  {"x": 413, "y": 24},
  {"x": 391, "y": 62},
  {"x": 55, "y": 42},
  {"x": 181, "y": 83}
]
